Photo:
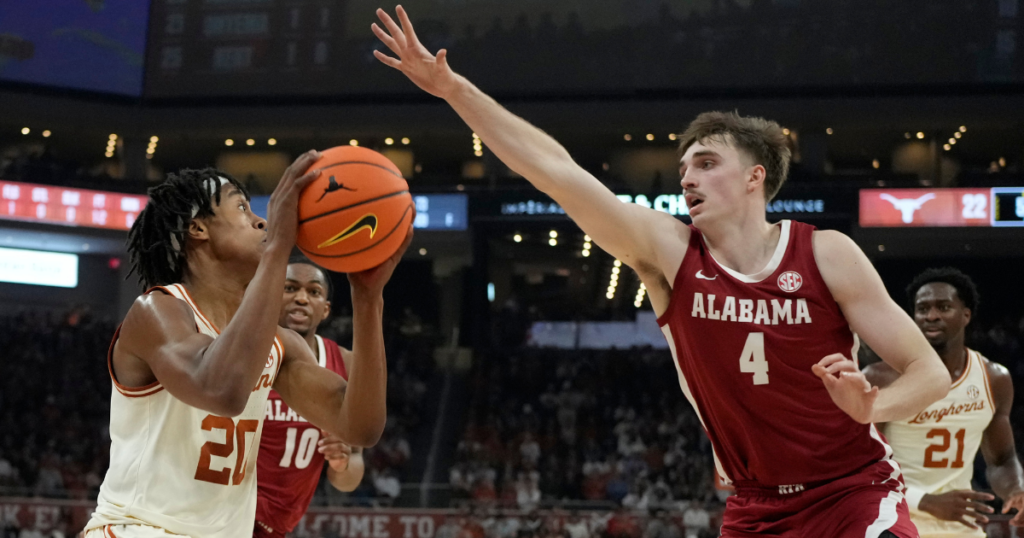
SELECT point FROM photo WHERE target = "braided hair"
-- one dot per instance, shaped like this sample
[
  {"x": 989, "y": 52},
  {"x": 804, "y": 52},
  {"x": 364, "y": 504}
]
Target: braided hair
[{"x": 156, "y": 242}]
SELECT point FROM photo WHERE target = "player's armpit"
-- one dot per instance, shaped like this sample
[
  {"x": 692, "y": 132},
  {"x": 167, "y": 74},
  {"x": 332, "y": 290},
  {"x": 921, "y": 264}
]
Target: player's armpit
[
  {"x": 318, "y": 395},
  {"x": 159, "y": 342},
  {"x": 880, "y": 322}
]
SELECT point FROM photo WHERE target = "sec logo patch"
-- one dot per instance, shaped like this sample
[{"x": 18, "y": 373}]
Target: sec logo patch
[
  {"x": 790, "y": 281},
  {"x": 973, "y": 392}
]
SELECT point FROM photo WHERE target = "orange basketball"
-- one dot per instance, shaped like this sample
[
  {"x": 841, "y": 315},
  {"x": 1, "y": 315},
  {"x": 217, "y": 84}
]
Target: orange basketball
[{"x": 357, "y": 213}]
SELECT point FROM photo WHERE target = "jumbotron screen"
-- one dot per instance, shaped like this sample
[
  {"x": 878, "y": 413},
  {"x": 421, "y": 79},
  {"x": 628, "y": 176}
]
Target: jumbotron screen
[
  {"x": 95, "y": 45},
  {"x": 317, "y": 47}
]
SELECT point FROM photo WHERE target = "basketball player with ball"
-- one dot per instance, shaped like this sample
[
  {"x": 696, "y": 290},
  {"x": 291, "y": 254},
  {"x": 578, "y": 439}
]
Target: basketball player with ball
[
  {"x": 293, "y": 451},
  {"x": 937, "y": 447},
  {"x": 762, "y": 319},
  {"x": 196, "y": 356}
]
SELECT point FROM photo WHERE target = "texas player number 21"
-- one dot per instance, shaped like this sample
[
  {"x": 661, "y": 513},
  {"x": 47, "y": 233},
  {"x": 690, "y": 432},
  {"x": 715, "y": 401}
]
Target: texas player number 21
[{"x": 752, "y": 359}]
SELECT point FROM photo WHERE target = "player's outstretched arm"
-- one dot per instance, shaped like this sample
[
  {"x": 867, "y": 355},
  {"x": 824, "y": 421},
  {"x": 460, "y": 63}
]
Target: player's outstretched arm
[
  {"x": 159, "y": 341},
  {"x": 889, "y": 331},
  {"x": 1003, "y": 471},
  {"x": 626, "y": 231},
  {"x": 357, "y": 412}
]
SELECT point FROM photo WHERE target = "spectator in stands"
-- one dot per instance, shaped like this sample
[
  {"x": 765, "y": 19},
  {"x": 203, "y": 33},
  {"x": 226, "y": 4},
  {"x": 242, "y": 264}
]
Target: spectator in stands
[
  {"x": 576, "y": 527},
  {"x": 662, "y": 526},
  {"x": 696, "y": 520},
  {"x": 387, "y": 485},
  {"x": 449, "y": 529}
]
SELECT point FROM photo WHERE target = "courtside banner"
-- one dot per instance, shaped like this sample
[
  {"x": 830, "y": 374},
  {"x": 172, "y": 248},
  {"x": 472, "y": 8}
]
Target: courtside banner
[{"x": 897, "y": 208}]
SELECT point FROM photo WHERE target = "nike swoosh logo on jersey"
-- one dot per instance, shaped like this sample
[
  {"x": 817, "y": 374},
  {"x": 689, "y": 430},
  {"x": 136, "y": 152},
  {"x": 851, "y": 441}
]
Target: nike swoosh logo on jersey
[
  {"x": 368, "y": 221},
  {"x": 700, "y": 275}
]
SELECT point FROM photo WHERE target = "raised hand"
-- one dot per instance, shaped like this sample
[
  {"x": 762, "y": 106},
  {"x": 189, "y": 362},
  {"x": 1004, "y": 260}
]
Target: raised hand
[
  {"x": 431, "y": 73},
  {"x": 283, "y": 208},
  {"x": 962, "y": 506},
  {"x": 847, "y": 386},
  {"x": 371, "y": 281}
]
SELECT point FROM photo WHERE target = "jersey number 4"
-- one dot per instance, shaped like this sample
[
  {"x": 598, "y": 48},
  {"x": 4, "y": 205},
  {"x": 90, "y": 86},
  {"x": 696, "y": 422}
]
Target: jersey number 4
[
  {"x": 234, "y": 437},
  {"x": 752, "y": 359},
  {"x": 942, "y": 446},
  {"x": 307, "y": 447}
]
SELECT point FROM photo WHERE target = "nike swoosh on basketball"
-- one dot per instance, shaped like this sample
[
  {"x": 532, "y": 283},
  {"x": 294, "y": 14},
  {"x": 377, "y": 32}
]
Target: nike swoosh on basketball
[
  {"x": 700, "y": 275},
  {"x": 366, "y": 221}
]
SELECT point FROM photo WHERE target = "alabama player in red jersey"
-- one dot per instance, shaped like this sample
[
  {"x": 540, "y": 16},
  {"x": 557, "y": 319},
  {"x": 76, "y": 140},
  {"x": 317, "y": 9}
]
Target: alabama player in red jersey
[
  {"x": 293, "y": 451},
  {"x": 761, "y": 318}
]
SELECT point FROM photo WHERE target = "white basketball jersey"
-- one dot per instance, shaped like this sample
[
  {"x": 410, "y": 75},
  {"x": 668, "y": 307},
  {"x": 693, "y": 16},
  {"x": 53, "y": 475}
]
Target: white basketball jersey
[
  {"x": 936, "y": 448},
  {"x": 178, "y": 467}
]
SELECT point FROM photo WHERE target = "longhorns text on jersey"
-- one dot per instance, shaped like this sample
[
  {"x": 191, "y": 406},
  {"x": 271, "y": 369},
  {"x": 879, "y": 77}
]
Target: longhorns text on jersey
[{"x": 178, "y": 467}]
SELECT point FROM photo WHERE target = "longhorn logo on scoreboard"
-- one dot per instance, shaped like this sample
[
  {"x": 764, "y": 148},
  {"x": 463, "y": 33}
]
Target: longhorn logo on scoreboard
[{"x": 790, "y": 281}]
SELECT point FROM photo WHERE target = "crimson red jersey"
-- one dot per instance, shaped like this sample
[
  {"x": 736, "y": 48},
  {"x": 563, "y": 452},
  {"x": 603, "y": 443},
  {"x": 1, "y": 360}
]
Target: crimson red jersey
[
  {"x": 289, "y": 466},
  {"x": 743, "y": 347}
]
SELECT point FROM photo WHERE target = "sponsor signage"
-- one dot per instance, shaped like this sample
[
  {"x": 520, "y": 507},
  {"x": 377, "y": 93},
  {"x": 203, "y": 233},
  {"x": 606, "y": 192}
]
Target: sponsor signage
[
  {"x": 1001, "y": 206},
  {"x": 40, "y": 268},
  {"x": 540, "y": 206},
  {"x": 69, "y": 207}
]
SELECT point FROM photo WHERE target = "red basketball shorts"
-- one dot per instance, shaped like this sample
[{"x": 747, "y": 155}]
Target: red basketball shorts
[{"x": 863, "y": 505}]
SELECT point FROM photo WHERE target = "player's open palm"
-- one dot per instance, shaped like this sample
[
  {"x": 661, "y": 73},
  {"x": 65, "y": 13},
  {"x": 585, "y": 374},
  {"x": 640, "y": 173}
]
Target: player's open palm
[
  {"x": 431, "y": 73},
  {"x": 847, "y": 386},
  {"x": 963, "y": 506},
  {"x": 283, "y": 208}
]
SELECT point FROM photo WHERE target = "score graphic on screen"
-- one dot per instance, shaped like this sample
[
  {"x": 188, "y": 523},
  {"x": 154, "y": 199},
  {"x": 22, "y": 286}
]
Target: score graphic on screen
[
  {"x": 69, "y": 207},
  {"x": 1008, "y": 206},
  {"x": 924, "y": 207}
]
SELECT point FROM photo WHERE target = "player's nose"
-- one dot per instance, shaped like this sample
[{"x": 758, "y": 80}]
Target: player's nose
[{"x": 259, "y": 222}]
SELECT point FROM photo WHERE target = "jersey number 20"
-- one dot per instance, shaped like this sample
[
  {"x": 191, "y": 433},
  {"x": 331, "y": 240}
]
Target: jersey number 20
[
  {"x": 752, "y": 359},
  {"x": 234, "y": 434}
]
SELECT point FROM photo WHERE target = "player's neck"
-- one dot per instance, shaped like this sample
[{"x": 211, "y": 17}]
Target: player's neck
[
  {"x": 217, "y": 295},
  {"x": 310, "y": 339},
  {"x": 744, "y": 245},
  {"x": 954, "y": 356}
]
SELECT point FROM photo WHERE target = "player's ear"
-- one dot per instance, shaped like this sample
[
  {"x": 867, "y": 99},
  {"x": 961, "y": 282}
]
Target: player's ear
[
  {"x": 327, "y": 310},
  {"x": 197, "y": 229},
  {"x": 967, "y": 316},
  {"x": 756, "y": 177}
]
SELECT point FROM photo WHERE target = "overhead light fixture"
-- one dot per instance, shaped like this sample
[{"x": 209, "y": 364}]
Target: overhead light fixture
[
  {"x": 229, "y": 142},
  {"x": 271, "y": 141},
  {"x": 829, "y": 130},
  {"x": 875, "y": 164},
  {"x": 423, "y": 252},
  {"x": 25, "y": 130},
  {"x": 920, "y": 135},
  {"x": 957, "y": 134},
  {"x": 650, "y": 136},
  {"x": 517, "y": 238},
  {"x": 638, "y": 301},
  {"x": 627, "y": 137},
  {"x": 405, "y": 141},
  {"x": 785, "y": 131},
  {"x": 154, "y": 139},
  {"x": 672, "y": 136},
  {"x": 552, "y": 241},
  {"x": 553, "y": 234},
  {"x": 353, "y": 142},
  {"x": 946, "y": 147},
  {"x": 952, "y": 141},
  {"x": 250, "y": 142},
  {"x": 906, "y": 135},
  {"x": 47, "y": 133},
  {"x": 963, "y": 129},
  {"x": 389, "y": 141}
]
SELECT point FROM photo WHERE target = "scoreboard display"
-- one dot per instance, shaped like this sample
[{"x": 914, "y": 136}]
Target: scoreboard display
[
  {"x": 69, "y": 207},
  {"x": 1000, "y": 206}
]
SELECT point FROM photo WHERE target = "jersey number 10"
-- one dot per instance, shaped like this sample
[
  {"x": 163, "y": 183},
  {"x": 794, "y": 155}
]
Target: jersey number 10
[
  {"x": 942, "y": 446},
  {"x": 307, "y": 447}
]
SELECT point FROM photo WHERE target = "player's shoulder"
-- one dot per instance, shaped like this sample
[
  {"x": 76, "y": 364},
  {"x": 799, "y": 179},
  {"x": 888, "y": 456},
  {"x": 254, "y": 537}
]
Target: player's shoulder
[
  {"x": 997, "y": 373},
  {"x": 880, "y": 374},
  {"x": 151, "y": 310},
  {"x": 832, "y": 246}
]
